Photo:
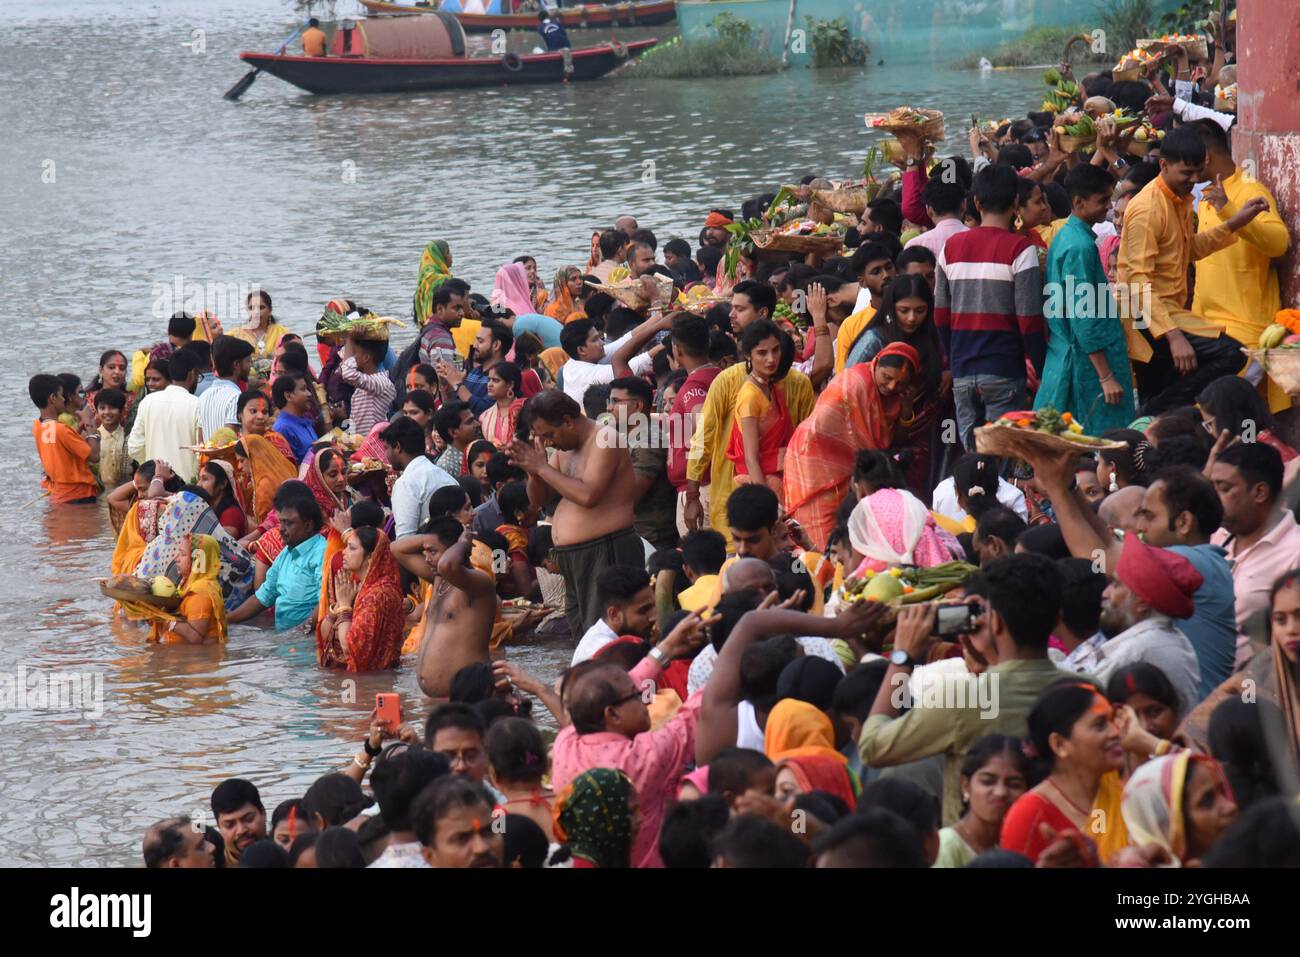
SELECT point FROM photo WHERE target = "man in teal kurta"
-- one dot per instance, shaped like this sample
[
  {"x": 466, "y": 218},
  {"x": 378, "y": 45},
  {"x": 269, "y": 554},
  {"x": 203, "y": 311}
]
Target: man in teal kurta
[{"x": 1087, "y": 370}]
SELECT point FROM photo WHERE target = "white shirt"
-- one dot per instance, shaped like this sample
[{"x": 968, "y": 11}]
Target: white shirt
[
  {"x": 934, "y": 239},
  {"x": 1158, "y": 642},
  {"x": 167, "y": 421},
  {"x": 597, "y": 637},
  {"x": 217, "y": 407},
  {"x": 945, "y": 499},
  {"x": 578, "y": 375},
  {"x": 412, "y": 491},
  {"x": 1189, "y": 112},
  {"x": 407, "y": 854},
  {"x": 748, "y": 733},
  {"x": 863, "y": 300},
  {"x": 1084, "y": 657}
]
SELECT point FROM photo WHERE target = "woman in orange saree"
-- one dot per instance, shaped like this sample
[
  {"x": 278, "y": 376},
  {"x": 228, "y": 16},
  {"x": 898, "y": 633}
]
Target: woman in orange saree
[
  {"x": 858, "y": 410},
  {"x": 564, "y": 294},
  {"x": 267, "y": 469}
]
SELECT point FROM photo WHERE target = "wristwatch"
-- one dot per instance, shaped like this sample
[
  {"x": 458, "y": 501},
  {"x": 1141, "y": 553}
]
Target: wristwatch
[
  {"x": 658, "y": 657},
  {"x": 902, "y": 659},
  {"x": 911, "y": 162}
]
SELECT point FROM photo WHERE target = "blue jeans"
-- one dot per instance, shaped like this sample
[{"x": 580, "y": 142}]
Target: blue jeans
[{"x": 985, "y": 398}]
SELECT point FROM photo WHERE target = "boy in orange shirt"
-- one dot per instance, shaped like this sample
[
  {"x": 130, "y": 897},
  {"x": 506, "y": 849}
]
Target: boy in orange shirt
[{"x": 65, "y": 454}]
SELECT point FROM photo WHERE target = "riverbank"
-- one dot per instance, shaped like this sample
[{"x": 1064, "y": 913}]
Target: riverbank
[
  {"x": 154, "y": 176},
  {"x": 1042, "y": 46}
]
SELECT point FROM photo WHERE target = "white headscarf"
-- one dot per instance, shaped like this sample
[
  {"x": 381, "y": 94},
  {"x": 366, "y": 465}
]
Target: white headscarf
[{"x": 873, "y": 541}]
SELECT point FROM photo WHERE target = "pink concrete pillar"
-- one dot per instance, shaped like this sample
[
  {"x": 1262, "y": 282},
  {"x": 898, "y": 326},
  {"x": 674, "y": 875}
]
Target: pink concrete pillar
[{"x": 1268, "y": 113}]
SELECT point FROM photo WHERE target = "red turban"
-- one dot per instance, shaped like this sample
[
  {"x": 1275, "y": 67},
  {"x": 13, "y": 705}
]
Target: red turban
[
  {"x": 1164, "y": 580},
  {"x": 716, "y": 221}
]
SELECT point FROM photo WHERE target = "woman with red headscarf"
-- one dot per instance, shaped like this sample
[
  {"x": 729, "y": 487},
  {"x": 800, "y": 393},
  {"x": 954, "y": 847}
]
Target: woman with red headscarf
[
  {"x": 858, "y": 410},
  {"x": 365, "y": 624},
  {"x": 327, "y": 477}
]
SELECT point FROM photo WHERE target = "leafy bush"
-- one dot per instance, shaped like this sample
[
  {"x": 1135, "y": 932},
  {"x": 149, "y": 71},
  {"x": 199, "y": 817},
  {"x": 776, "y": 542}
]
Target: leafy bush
[
  {"x": 831, "y": 44},
  {"x": 732, "y": 29},
  {"x": 731, "y": 52},
  {"x": 1126, "y": 22},
  {"x": 1193, "y": 16}
]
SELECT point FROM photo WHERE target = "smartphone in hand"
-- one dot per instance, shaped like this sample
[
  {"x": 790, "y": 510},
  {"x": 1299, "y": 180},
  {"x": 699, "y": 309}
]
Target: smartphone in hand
[{"x": 388, "y": 709}]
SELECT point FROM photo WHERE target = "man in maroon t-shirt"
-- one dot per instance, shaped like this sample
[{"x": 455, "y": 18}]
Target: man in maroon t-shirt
[{"x": 690, "y": 338}]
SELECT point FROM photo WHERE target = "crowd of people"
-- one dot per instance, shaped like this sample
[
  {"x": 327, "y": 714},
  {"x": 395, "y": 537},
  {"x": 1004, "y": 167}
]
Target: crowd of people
[{"x": 682, "y": 493}]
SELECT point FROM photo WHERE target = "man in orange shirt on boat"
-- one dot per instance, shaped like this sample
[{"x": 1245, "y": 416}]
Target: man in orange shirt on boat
[
  {"x": 65, "y": 454},
  {"x": 313, "y": 39}
]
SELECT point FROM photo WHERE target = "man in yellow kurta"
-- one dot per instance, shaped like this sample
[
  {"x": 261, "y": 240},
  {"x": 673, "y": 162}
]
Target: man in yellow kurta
[
  {"x": 1176, "y": 351},
  {"x": 1237, "y": 287},
  {"x": 713, "y": 433}
]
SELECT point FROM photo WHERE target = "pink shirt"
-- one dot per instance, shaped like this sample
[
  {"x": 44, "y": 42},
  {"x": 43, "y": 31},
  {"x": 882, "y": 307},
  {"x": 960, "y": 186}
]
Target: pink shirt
[
  {"x": 934, "y": 239},
  {"x": 655, "y": 762},
  {"x": 1256, "y": 568}
]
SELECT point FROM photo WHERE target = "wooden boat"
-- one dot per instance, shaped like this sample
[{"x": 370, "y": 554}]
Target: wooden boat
[
  {"x": 587, "y": 16},
  {"x": 400, "y": 54}
]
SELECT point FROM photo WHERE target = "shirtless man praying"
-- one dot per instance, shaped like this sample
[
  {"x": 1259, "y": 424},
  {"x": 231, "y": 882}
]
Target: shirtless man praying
[
  {"x": 462, "y": 608},
  {"x": 593, "y": 479}
]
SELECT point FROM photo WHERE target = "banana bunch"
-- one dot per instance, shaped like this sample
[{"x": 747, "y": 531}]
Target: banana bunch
[
  {"x": 1063, "y": 95},
  {"x": 1082, "y": 127},
  {"x": 1272, "y": 337}
]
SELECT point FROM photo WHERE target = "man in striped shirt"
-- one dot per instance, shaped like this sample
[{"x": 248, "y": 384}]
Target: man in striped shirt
[
  {"x": 375, "y": 390},
  {"x": 988, "y": 300}
]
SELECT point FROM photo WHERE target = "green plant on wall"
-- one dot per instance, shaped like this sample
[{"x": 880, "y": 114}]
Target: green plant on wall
[
  {"x": 732, "y": 29},
  {"x": 831, "y": 44}
]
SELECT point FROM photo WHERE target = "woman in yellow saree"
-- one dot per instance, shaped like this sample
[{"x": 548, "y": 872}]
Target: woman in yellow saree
[{"x": 201, "y": 618}]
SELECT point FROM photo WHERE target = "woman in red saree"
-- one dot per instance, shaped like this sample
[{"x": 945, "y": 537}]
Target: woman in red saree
[
  {"x": 1072, "y": 735},
  {"x": 762, "y": 427},
  {"x": 364, "y": 626},
  {"x": 858, "y": 410}
]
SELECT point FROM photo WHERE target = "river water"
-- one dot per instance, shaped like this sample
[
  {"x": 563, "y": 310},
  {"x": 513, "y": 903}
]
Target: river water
[{"x": 126, "y": 175}]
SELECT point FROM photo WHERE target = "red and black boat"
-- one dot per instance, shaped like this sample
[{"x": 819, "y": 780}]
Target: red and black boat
[
  {"x": 399, "y": 54},
  {"x": 585, "y": 16}
]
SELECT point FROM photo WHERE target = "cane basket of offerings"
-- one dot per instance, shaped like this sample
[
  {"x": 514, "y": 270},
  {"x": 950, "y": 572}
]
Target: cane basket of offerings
[
  {"x": 907, "y": 584},
  {"x": 1133, "y": 64},
  {"x": 1196, "y": 46},
  {"x": 845, "y": 200},
  {"x": 904, "y": 119},
  {"x": 334, "y": 327},
  {"x": 1046, "y": 431},
  {"x": 161, "y": 592},
  {"x": 800, "y": 236},
  {"x": 628, "y": 291},
  {"x": 1279, "y": 351}
]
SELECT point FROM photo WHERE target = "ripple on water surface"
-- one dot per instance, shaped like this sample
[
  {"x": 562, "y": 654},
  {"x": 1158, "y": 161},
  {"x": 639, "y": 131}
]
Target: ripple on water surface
[{"x": 156, "y": 177}]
